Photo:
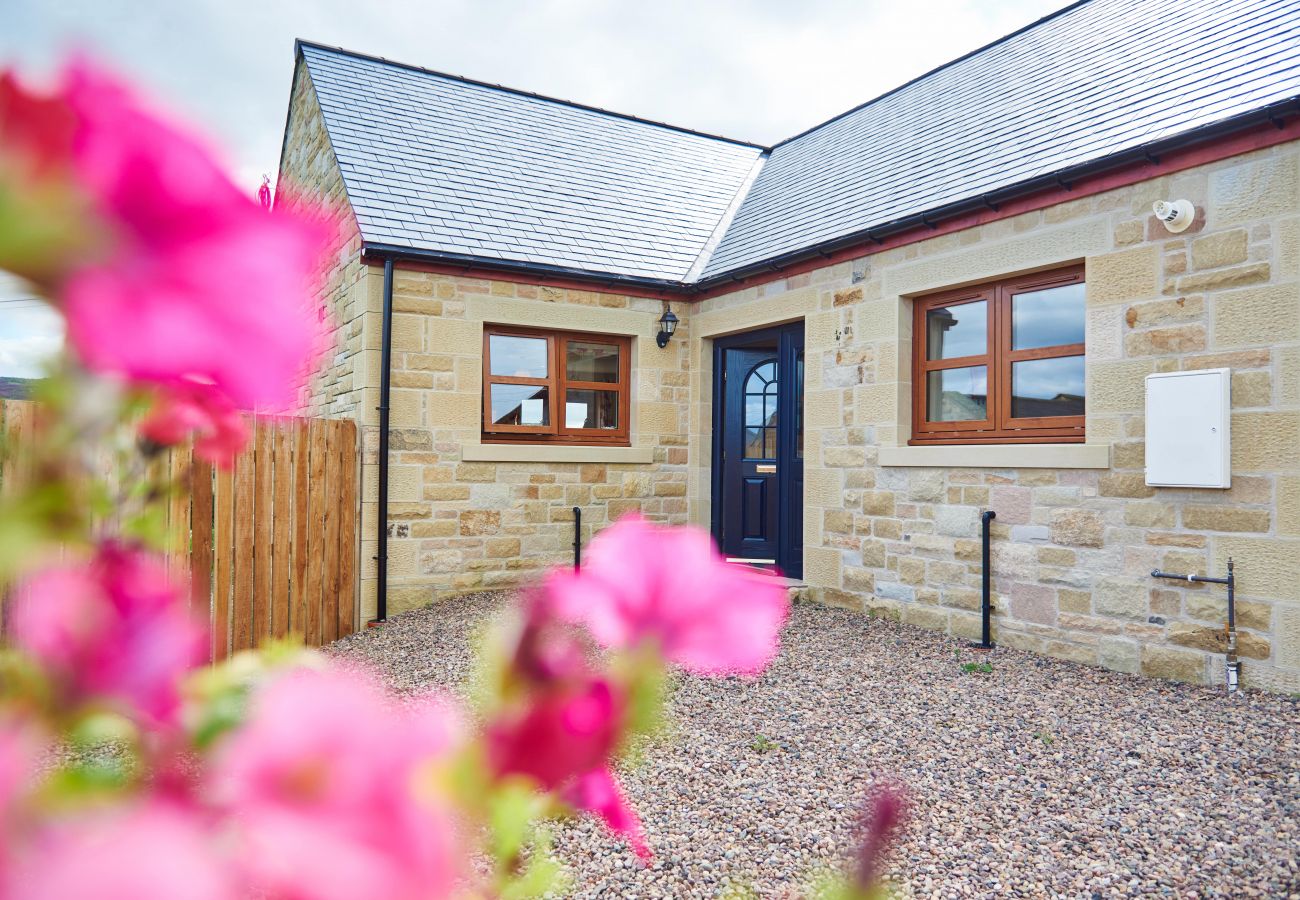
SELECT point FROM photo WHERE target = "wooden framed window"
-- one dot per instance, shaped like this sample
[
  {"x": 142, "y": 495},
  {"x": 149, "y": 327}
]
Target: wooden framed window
[
  {"x": 555, "y": 386},
  {"x": 1001, "y": 362}
]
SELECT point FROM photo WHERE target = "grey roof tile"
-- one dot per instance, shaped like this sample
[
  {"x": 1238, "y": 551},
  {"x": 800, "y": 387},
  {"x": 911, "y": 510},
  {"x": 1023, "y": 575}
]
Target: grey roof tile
[
  {"x": 1097, "y": 79},
  {"x": 497, "y": 173},
  {"x": 436, "y": 162}
]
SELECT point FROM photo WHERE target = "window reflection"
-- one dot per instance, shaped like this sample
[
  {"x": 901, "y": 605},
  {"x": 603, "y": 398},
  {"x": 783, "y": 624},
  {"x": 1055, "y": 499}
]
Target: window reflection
[
  {"x": 960, "y": 330},
  {"x": 957, "y": 395},
  {"x": 517, "y": 357},
  {"x": 761, "y": 411},
  {"x": 1047, "y": 387},
  {"x": 1048, "y": 318}
]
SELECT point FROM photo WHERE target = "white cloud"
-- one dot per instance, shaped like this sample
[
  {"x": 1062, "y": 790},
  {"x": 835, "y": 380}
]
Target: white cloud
[
  {"x": 760, "y": 70},
  {"x": 30, "y": 332}
]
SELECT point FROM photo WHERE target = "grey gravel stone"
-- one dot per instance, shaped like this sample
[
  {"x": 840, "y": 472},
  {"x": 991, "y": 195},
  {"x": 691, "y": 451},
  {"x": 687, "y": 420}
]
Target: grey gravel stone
[{"x": 1041, "y": 778}]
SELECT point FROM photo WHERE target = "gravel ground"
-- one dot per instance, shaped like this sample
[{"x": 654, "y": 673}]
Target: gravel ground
[{"x": 1039, "y": 778}]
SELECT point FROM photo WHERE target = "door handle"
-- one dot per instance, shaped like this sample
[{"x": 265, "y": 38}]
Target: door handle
[{"x": 762, "y": 469}]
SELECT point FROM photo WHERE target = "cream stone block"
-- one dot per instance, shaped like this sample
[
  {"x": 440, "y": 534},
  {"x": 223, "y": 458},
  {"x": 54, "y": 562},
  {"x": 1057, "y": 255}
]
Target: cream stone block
[
  {"x": 469, "y": 374},
  {"x": 1287, "y": 255},
  {"x": 820, "y": 329},
  {"x": 1265, "y": 441},
  {"x": 455, "y": 410},
  {"x": 1286, "y": 647},
  {"x": 1223, "y": 248},
  {"x": 1105, "y": 334},
  {"x": 408, "y": 332},
  {"x": 372, "y": 326},
  {"x": 1125, "y": 275},
  {"x": 823, "y": 409},
  {"x": 406, "y": 409},
  {"x": 1256, "y": 189},
  {"x": 1000, "y": 456},
  {"x": 405, "y": 483},
  {"x": 877, "y": 320},
  {"x": 369, "y": 603},
  {"x": 571, "y": 316},
  {"x": 1268, "y": 568},
  {"x": 718, "y": 318},
  {"x": 824, "y": 488},
  {"x": 1288, "y": 505},
  {"x": 1264, "y": 315},
  {"x": 1035, "y": 249},
  {"x": 1288, "y": 367},
  {"x": 657, "y": 418},
  {"x": 1118, "y": 386},
  {"x": 878, "y": 403},
  {"x": 821, "y": 567},
  {"x": 454, "y": 336},
  {"x": 555, "y": 453}
]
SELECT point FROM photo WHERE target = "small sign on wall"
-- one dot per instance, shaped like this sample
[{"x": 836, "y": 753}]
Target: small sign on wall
[{"x": 1188, "y": 429}]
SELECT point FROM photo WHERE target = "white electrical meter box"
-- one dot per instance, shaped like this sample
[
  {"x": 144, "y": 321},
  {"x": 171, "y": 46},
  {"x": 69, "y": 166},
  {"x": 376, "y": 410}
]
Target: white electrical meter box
[{"x": 1189, "y": 441}]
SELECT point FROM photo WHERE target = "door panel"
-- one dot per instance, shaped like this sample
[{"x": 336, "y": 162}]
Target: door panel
[
  {"x": 758, "y": 447},
  {"x": 753, "y": 502},
  {"x": 749, "y": 451}
]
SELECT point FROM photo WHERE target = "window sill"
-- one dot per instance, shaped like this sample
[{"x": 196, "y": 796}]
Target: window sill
[
  {"x": 556, "y": 453},
  {"x": 1000, "y": 456}
]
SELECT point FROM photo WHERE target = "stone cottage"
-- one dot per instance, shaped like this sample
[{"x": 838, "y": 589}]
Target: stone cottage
[{"x": 945, "y": 301}]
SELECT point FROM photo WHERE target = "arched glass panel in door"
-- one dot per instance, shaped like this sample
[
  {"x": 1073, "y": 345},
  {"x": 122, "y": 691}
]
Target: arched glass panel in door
[{"x": 761, "y": 411}]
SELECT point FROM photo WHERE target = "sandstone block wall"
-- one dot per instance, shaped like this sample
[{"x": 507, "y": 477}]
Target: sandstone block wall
[
  {"x": 309, "y": 172},
  {"x": 466, "y": 516},
  {"x": 895, "y": 529}
]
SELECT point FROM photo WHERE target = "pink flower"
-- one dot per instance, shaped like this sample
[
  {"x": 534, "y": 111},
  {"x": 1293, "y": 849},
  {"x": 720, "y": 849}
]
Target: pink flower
[
  {"x": 196, "y": 280},
  {"x": 598, "y": 792},
  {"x": 192, "y": 407},
  {"x": 115, "y": 629},
  {"x": 879, "y": 824},
  {"x": 330, "y": 784},
  {"x": 642, "y": 582},
  {"x": 21, "y": 747},
  {"x": 153, "y": 852},
  {"x": 563, "y": 731}
]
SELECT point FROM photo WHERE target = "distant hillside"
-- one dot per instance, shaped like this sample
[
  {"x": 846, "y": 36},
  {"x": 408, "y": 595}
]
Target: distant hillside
[{"x": 15, "y": 388}]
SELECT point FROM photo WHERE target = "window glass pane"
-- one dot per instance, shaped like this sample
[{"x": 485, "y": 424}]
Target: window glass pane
[
  {"x": 1047, "y": 318},
  {"x": 591, "y": 409},
  {"x": 957, "y": 395},
  {"x": 1047, "y": 387},
  {"x": 520, "y": 357},
  {"x": 592, "y": 362},
  {"x": 953, "y": 331},
  {"x": 520, "y": 404},
  {"x": 754, "y": 443}
]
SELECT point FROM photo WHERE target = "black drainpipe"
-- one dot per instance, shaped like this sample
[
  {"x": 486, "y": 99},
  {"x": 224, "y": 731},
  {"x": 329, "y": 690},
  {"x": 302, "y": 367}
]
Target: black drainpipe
[
  {"x": 986, "y": 599},
  {"x": 577, "y": 539},
  {"x": 385, "y": 381}
]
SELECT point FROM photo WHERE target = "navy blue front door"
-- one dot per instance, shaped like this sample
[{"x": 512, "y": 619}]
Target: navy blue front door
[{"x": 758, "y": 458}]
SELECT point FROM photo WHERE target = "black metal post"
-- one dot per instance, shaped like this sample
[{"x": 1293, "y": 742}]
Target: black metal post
[
  {"x": 385, "y": 382},
  {"x": 577, "y": 539},
  {"x": 986, "y": 599}
]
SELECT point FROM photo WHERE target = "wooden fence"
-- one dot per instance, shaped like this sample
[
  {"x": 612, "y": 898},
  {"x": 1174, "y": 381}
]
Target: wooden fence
[{"x": 271, "y": 542}]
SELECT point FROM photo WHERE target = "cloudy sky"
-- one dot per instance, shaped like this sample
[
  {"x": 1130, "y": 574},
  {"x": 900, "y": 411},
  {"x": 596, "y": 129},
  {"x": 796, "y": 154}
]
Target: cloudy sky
[{"x": 760, "y": 70}]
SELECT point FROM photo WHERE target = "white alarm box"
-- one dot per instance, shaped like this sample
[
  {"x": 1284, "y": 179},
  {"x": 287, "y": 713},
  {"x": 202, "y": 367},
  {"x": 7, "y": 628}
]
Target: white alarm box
[{"x": 1189, "y": 421}]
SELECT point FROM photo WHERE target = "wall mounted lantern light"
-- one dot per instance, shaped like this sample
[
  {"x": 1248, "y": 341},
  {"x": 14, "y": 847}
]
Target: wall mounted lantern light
[{"x": 667, "y": 325}]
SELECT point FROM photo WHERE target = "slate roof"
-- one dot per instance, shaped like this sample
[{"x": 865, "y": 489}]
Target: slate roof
[
  {"x": 1094, "y": 80},
  {"x": 465, "y": 170},
  {"x": 435, "y": 162}
]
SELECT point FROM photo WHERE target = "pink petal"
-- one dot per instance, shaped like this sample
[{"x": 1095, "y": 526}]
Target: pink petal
[{"x": 598, "y": 792}]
